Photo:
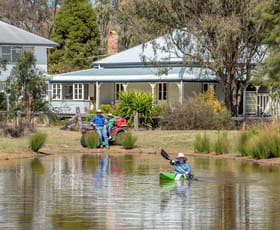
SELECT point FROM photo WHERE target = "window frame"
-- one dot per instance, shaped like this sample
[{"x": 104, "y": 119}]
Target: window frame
[
  {"x": 63, "y": 87},
  {"x": 118, "y": 89},
  {"x": 56, "y": 87},
  {"x": 162, "y": 91},
  {"x": 18, "y": 50},
  {"x": 86, "y": 89},
  {"x": 80, "y": 96}
]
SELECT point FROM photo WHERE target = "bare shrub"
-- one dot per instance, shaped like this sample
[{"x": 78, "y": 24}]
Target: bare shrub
[
  {"x": 9, "y": 129},
  {"x": 194, "y": 113}
]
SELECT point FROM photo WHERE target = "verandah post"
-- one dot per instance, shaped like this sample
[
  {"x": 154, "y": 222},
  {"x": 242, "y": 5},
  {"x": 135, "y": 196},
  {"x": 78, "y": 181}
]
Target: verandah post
[
  {"x": 181, "y": 91},
  {"x": 153, "y": 86},
  {"x": 98, "y": 86}
]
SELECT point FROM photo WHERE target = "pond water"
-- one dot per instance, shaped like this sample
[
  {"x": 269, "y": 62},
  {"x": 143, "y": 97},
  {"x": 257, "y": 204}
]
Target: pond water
[{"x": 124, "y": 192}]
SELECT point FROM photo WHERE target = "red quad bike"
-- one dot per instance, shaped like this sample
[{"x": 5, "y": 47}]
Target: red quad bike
[{"x": 120, "y": 127}]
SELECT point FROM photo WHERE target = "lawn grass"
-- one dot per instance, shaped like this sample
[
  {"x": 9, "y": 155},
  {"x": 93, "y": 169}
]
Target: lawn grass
[
  {"x": 177, "y": 140},
  {"x": 56, "y": 138}
]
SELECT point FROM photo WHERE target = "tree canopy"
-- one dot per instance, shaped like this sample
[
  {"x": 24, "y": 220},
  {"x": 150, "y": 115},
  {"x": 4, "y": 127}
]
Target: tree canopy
[
  {"x": 26, "y": 85},
  {"x": 77, "y": 32},
  {"x": 34, "y": 16},
  {"x": 268, "y": 16},
  {"x": 121, "y": 16},
  {"x": 225, "y": 37}
]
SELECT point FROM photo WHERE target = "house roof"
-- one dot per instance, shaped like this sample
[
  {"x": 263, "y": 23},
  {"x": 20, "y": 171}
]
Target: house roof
[
  {"x": 11, "y": 35},
  {"x": 149, "y": 51},
  {"x": 176, "y": 74}
]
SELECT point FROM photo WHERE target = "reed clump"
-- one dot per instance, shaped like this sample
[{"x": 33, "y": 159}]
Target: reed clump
[
  {"x": 91, "y": 140},
  {"x": 37, "y": 141},
  {"x": 202, "y": 143},
  {"x": 127, "y": 140}
]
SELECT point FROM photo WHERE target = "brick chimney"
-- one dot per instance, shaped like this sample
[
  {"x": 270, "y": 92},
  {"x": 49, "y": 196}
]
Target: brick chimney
[{"x": 113, "y": 39}]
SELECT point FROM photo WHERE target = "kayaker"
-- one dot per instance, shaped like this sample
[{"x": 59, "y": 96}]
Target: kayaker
[
  {"x": 99, "y": 122},
  {"x": 181, "y": 167},
  {"x": 110, "y": 124}
]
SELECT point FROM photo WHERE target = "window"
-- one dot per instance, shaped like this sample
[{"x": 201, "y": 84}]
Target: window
[
  {"x": 11, "y": 53},
  {"x": 118, "y": 89},
  {"x": 78, "y": 91},
  {"x": 16, "y": 51},
  {"x": 162, "y": 91},
  {"x": 56, "y": 91},
  {"x": 207, "y": 86},
  {"x": 67, "y": 91},
  {"x": 86, "y": 92}
]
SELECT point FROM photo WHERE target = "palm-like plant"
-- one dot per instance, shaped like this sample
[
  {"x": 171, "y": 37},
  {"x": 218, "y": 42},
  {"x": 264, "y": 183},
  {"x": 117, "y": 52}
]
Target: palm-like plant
[
  {"x": 136, "y": 101},
  {"x": 125, "y": 105}
]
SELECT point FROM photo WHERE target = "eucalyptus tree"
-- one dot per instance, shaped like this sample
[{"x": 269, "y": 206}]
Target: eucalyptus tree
[
  {"x": 34, "y": 16},
  {"x": 26, "y": 85},
  {"x": 218, "y": 34}
]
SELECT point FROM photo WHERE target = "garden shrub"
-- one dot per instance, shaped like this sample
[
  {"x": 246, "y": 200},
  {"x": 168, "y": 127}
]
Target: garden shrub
[
  {"x": 7, "y": 128},
  {"x": 202, "y": 144},
  {"x": 221, "y": 144},
  {"x": 127, "y": 140},
  {"x": 209, "y": 98},
  {"x": 37, "y": 141},
  {"x": 139, "y": 101},
  {"x": 91, "y": 140},
  {"x": 194, "y": 113}
]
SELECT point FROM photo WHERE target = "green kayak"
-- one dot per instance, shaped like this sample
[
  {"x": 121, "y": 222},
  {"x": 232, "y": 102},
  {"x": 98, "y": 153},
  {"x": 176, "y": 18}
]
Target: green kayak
[{"x": 171, "y": 176}]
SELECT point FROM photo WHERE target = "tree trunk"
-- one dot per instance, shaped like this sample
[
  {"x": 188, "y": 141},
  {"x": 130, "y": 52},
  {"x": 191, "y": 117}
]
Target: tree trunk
[{"x": 233, "y": 93}]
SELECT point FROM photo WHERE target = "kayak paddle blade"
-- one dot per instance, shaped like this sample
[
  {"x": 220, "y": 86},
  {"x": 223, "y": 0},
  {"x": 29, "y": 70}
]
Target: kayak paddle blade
[{"x": 165, "y": 155}]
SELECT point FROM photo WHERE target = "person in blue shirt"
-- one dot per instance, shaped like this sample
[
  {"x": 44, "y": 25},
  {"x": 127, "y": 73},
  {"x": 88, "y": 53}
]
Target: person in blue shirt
[
  {"x": 181, "y": 167},
  {"x": 99, "y": 122}
]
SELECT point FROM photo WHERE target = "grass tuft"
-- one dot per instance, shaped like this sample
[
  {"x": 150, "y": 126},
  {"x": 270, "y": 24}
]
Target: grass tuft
[
  {"x": 264, "y": 143},
  {"x": 241, "y": 144},
  {"x": 37, "y": 141},
  {"x": 127, "y": 140},
  {"x": 202, "y": 144},
  {"x": 221, "y": 144},
  {"x": 91, "y": 140}
]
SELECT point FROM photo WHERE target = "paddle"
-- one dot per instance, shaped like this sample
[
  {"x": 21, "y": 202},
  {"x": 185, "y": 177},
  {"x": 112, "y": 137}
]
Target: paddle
[{"x": 166, "y": 156}]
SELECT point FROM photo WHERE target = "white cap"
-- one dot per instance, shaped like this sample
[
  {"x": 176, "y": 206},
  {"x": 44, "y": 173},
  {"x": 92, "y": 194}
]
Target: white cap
[
  {"x": 99, "y": 111},
  {"x": 180, "y": 155},
  {"x": 110, "y": 114}
]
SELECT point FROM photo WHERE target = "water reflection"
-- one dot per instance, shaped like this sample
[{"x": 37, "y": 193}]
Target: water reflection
[{"x": 123, "y": 192}]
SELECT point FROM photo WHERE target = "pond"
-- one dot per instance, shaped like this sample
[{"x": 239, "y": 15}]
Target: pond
[{"x": 124, "y": 192}]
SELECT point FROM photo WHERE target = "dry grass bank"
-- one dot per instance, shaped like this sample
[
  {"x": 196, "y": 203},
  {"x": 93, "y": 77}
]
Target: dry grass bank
[
  {"x": 59, "y": 140},
  {"x": 148, "y": 142}
]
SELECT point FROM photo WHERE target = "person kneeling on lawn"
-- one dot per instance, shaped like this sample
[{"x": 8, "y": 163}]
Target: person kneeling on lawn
[
  {"x": 99, "y": 122},
  {"x": 181, "y": 167},
  {"x": 110, "y": 124}
]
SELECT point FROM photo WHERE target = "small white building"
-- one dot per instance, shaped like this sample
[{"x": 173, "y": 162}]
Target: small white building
[{"x": 14, "y": 40}]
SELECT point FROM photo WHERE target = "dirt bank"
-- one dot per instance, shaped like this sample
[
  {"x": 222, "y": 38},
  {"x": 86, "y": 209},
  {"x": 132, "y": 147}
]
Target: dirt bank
[{"x": 51, "y": 150}]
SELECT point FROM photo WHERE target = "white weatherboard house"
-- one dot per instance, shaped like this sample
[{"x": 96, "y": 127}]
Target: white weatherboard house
[
  {"x": 126, "y": 70},
  {"x": 13, "y": 41}
]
